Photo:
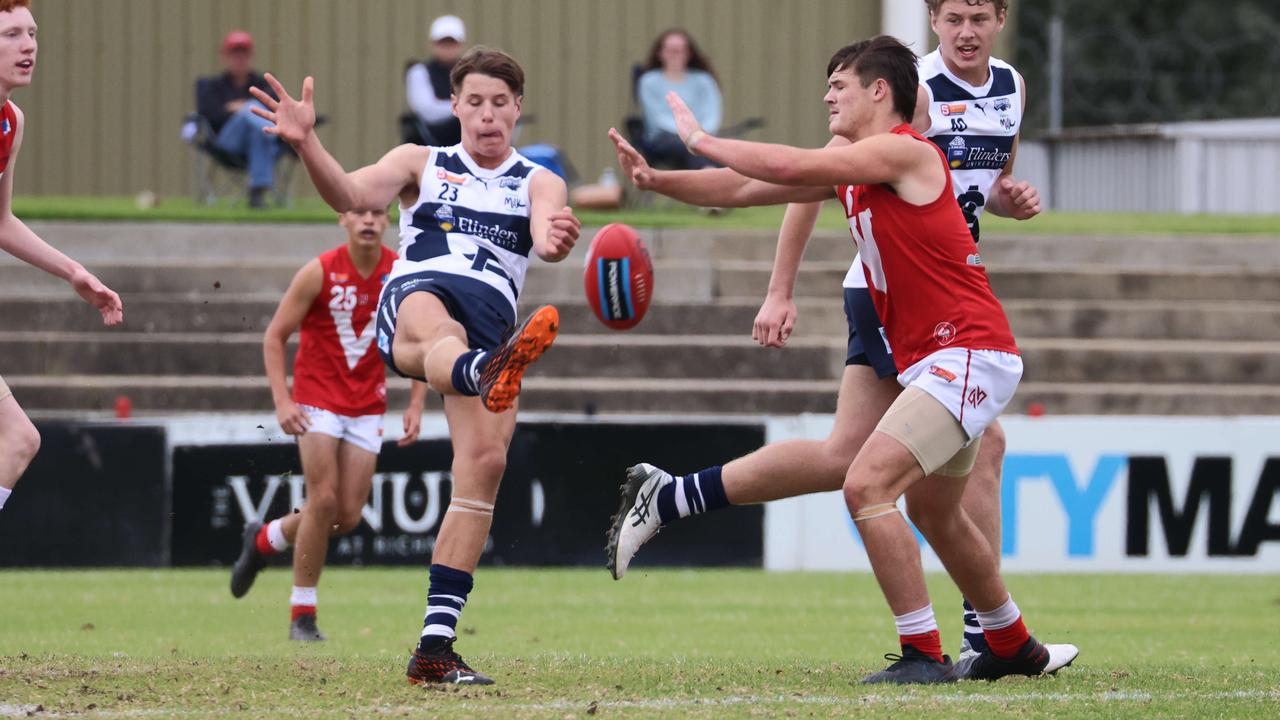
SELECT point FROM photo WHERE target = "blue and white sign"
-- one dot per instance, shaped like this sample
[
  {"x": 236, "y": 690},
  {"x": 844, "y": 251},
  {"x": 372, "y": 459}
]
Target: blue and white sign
[{"x": 1088, "y": 494}]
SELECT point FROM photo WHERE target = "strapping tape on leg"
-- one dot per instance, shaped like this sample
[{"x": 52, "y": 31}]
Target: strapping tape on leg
[
  {"x": 426, "y": 360},
  {"x": 459, "y": 504},
  {"x": 872, "y": 512}
]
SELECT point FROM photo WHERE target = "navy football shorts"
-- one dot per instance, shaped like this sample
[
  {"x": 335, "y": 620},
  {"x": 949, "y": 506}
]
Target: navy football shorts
[
  {"x": 481, "y": 310},
  {"x": 867, "y": 345}
]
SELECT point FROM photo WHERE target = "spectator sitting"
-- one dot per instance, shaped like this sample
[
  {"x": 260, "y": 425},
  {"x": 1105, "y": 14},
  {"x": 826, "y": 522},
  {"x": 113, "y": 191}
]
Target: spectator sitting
[
  {"x": 224, "y": 101},
  {"x": 427, "y": 88},
  {"x": 676, "y": 63}
]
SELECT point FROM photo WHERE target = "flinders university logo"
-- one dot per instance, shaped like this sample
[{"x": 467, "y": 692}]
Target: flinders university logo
[{"x": 444, "y": 216}]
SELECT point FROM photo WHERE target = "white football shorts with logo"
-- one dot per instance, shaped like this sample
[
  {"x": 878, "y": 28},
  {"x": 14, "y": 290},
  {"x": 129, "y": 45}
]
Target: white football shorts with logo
[
  {"x": 363, "y": 431},
  {"x": 974, "y": 385}
]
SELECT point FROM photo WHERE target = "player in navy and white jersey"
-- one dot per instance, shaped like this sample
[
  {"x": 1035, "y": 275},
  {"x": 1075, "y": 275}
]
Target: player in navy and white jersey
[
  {"x": 469, "y": 217},
  {"x": 969, "y": 104}
]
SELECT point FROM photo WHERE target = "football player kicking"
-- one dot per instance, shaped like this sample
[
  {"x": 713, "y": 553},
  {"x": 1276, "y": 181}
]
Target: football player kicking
[{"x": 470, "y": 215}]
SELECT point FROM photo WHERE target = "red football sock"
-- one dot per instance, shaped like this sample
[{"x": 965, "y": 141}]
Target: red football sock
[
  {"x": 300, "y": 610},
  {"x": 262, "y": 543},
  {"x": 1007, "y": 641},
  {"x": 929, "y": 643}
]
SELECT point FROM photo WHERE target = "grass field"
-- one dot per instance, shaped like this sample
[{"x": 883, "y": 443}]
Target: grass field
[
  {"x": 312, "y": 209},
  {"x": 572, "y": 644}
]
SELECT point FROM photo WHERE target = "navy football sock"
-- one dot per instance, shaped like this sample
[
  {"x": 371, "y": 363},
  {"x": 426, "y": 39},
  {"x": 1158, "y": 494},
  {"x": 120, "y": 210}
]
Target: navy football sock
[
  {"x": 466, "y": 372},
  {"x": 446, "y": 597},
  {"x": 694, "y": 494}
]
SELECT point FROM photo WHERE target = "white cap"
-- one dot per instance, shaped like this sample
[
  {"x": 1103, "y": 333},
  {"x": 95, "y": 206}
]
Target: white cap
[{"x": 448, "y": 26}]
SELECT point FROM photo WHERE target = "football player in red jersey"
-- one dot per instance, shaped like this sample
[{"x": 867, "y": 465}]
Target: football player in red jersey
[
  {"x": 19, "y": 439},
  {"x": 953, "y": 350},
  {"x": 335, "y": 410}
]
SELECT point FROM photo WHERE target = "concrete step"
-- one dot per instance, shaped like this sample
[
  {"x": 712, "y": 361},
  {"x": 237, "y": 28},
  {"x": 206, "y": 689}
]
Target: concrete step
[
  {"x": 182, "y": 394},
  {"x": 692, "y": 281},
  {"x": 818, "y": 317},
  {"x": 625, "y": 355},
  {"x": 110, "y": 242}
]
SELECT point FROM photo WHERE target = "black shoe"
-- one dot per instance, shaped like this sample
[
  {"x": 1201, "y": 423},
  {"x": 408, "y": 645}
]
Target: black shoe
[
  {"x": 304, "y": 629},
  {"x": 1033, "y": 658},
  {"x": 258, "y": 198},
  {"x": 250, "y": 562},
  {"x": 440, "y": 664},
  {"x": 913, "y": 667}
]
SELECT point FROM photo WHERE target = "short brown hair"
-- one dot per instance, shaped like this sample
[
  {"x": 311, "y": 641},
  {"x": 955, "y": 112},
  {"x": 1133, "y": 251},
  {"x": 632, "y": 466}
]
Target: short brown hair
[
  {"x": 487, "y": 61},
  {"x": 11, "y": 5},
  {"x": 882, "y": 57},
  {"x": 1002, "y": 6}
]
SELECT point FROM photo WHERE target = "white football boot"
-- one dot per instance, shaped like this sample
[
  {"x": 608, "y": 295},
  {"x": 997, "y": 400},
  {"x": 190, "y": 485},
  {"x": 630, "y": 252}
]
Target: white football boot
[{"x": 637, "y": 518}]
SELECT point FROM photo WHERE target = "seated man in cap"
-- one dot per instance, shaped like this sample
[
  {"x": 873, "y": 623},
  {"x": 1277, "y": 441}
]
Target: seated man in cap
[
  {"x": 224, "y": 101},
  {"x": 427, "y": 88}
]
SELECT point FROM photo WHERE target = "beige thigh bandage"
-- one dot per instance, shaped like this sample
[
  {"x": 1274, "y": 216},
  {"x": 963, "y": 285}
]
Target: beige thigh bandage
[
  {"x": 925, "y": 427},
  {"x": 961, "y": 464},
  {"x": 4, "y": 390},
  {"x": 460, "y": 504},
  {"x": 872, "y": 512}
]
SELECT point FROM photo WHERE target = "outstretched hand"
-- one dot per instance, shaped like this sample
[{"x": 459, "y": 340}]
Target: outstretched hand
[
  {"x": 687, "y": 126},
  {"x": 98, "y": 295},
  {"x": 632, "y": 162},
  {"x": 294, "y": 119}
]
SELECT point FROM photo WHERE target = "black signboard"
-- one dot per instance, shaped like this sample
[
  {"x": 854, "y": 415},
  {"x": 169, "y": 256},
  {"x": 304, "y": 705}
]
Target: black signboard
[{"x": 94, "y": 495}]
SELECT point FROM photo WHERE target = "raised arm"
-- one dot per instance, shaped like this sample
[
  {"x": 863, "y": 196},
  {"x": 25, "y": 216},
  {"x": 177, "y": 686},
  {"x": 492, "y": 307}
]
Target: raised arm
[
  {"x": 293, "y": 308},
  {"x": 720, "y": 187},
  {"x": 371, "y": 186},
  {"x": 551, "y": 221},
  {"x": 19, "y": 241}
]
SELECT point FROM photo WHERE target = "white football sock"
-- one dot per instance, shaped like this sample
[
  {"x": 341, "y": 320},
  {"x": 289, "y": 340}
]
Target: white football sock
[
  {"x": 275, "y": 535},
  {"x": 303, "y": 596},
  {"x": 1000, "y": 618},
  {"x": 916, "y": 622}
]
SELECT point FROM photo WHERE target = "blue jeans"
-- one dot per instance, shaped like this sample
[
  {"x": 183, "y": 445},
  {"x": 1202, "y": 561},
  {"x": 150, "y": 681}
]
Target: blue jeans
[{"x": 242, "y": 135}]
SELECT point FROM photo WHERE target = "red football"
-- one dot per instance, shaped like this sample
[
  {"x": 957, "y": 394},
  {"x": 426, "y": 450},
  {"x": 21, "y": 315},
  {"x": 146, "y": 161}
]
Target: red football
[{"x": 619, "y": 276}]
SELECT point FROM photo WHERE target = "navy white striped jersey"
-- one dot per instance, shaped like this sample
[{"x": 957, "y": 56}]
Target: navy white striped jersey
[
  {"x": 974, "y": 126},
  {"x": 470, "y": 221}
]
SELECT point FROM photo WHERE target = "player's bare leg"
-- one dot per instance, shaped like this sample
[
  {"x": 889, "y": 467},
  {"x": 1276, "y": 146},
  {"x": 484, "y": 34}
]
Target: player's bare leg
[
  {"x": 319, "y": 514},
  {"x": 480, "y": 442},
  {"x": 981, "y": 501},
  {"x": 775, "y": 471},
  {"x": 19, "y": 442},
  {"x": 355, "y": 478},
  {"x": 884, "y": 470},
  {"x": 430, "y": 344}
]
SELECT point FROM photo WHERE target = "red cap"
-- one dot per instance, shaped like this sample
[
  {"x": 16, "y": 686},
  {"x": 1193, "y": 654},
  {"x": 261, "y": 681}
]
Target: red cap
[{"x": 237, "y": 40}]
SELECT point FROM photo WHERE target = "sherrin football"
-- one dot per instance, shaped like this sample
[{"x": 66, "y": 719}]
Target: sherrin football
[{"x": 619, "y": 276}]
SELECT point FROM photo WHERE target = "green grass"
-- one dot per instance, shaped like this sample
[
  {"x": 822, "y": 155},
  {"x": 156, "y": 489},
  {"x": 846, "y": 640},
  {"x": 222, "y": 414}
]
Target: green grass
[
  {"x": 662, "y": 214},
  {"x": 704, "y": 644}
]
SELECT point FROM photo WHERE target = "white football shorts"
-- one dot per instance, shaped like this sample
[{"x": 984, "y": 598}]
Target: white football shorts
[
  {"x": 363, "y": 431},
  {"x": 974, "y": 385}
]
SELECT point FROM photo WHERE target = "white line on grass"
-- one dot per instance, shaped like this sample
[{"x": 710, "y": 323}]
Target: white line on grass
[{"x": 1123, "y": 696}]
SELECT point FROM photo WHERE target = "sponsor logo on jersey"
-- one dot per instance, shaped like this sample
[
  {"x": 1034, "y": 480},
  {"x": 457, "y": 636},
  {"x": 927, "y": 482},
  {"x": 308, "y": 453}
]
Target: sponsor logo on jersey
[
  {"x": 337, "y": 278},
  {"x": 1003, "y": 105},
  {"x": 383, "y": 280},
  {"x": 1007, "y": 122},
  {"x": 980, "y": 158},
  {"x": 944, "y": 333},
  {"x": 974, "y": 259},
  {"x": 449, "y": 177},
  {"x": 509, "y": 183},
  {"x": 513, "y": 202},
  {"x": 444, "y": 217},
  {"x": 5, "y": 127},
  {"x": 493, "y": 232},
  {"x": 956, "y": 152},
  {"x": 949, "y": 109},
  {"x": 943, "y": 373}
]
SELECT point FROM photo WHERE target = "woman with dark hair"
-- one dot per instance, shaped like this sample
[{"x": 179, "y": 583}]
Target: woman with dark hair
[{"x": 676, "y": 64}]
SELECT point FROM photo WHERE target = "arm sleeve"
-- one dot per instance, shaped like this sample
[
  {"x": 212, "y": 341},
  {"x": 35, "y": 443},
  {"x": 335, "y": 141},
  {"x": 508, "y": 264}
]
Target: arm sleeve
[
  {"x": 651, "y": 92},
  {"x": 422, "y": 98}
]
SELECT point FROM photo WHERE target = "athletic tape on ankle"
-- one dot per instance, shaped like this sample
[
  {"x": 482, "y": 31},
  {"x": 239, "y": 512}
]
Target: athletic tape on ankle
[
  {"x": 874, "y": 511},
  {"x": 471, "y": 506}
]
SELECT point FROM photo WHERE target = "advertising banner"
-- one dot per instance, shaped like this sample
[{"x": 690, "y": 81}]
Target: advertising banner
[
  {"x": 1089, "y": 494},
  {"x": 554, "y": 505}
]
